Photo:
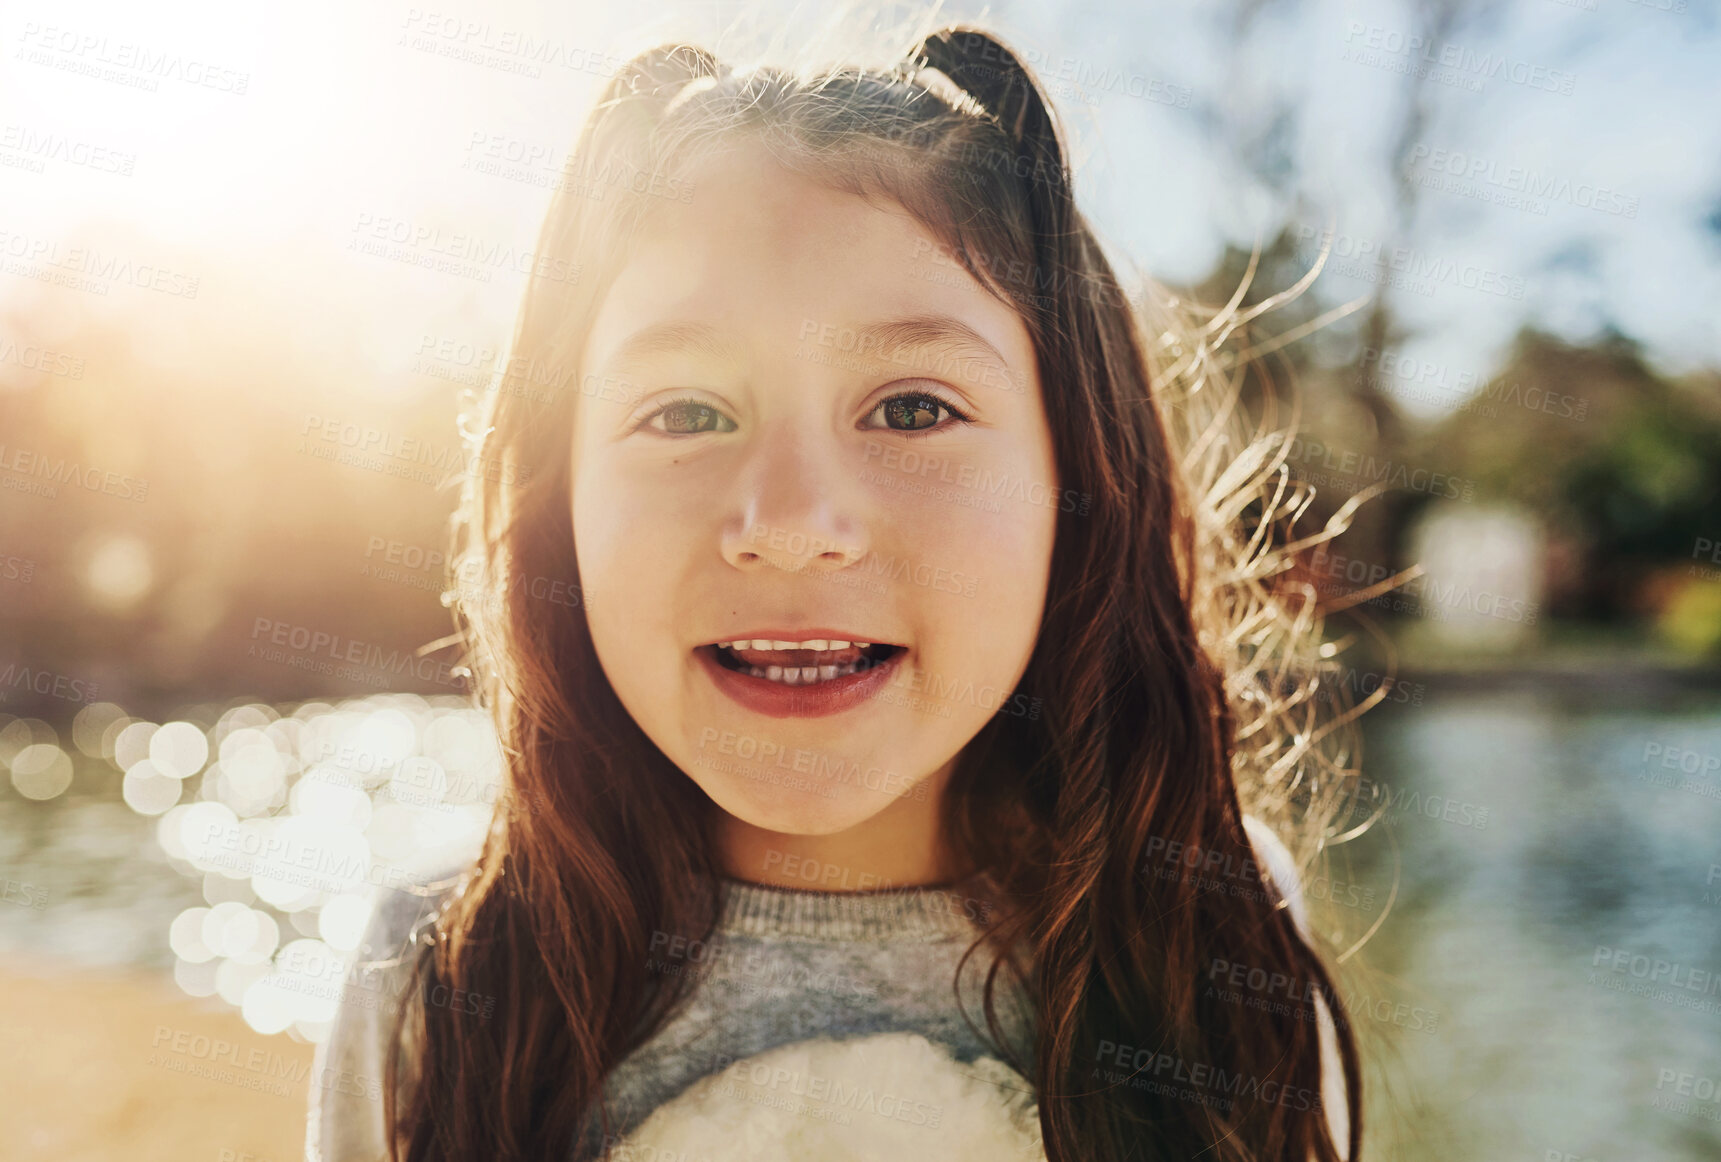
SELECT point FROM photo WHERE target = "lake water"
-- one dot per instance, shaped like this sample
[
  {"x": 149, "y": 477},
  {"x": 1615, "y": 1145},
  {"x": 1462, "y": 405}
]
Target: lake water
[
  {"x": 1546, "y": 984},
  {"x": 1571, "y": 947}
]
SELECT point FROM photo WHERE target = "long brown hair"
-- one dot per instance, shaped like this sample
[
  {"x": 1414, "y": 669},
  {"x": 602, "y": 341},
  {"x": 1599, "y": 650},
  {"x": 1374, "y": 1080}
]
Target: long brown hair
[{"x": 1175, "y": 683}]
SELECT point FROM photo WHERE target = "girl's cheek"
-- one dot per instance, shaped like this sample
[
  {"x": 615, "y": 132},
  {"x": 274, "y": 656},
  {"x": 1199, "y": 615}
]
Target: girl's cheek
[
  {"x": 615, "y": 524},
  {"x": 660, "y": 492},
  {"x": 975, "y": 514}
]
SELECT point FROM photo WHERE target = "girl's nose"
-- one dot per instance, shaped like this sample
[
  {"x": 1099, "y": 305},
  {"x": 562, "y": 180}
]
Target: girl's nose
[{"x": 795, "y": 510}]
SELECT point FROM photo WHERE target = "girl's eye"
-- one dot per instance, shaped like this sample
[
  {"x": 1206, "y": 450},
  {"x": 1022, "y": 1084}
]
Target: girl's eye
[
  {"x": 915, "y": 413},
  {"x": 689, "y": 417},
  {"x": 912, "y": 413}
]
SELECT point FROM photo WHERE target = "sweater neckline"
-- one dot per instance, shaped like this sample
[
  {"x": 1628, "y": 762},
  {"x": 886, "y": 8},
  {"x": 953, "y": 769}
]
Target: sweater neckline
[{"x": 921, "y": 914}]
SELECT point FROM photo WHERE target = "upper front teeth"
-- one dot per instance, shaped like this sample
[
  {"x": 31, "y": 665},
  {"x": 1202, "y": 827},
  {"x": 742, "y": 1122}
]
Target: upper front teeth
[{"x": 812, "y": 644}]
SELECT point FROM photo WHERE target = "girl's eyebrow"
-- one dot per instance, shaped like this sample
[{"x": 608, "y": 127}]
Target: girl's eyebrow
[
  {"x": 668, "y": 338},
  {"x": 933, "y": 333},
  {"x": 941, "y": 334}
]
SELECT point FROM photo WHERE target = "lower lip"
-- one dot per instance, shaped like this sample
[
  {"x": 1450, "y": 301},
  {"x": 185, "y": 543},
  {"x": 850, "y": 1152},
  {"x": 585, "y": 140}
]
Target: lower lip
[{"x": 775, "y": 700}]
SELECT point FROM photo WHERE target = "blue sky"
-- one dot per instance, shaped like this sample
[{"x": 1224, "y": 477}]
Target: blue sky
[{"x": 1613, "y": 112}]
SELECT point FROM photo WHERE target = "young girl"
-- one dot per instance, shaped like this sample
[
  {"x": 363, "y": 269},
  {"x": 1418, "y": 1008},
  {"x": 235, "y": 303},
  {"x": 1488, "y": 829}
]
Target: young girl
[{"x": 907, "y": 770}]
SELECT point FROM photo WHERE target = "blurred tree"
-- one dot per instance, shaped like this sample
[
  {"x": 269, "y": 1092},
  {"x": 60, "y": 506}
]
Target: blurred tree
[{"x": 1622, "y": 465}]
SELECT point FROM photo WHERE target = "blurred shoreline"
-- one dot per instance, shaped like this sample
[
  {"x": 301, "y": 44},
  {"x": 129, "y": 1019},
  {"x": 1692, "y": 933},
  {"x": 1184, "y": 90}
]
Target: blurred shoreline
[
  {"x": 1562, "y": 672},
  {"x": 107, "y": 1064}
]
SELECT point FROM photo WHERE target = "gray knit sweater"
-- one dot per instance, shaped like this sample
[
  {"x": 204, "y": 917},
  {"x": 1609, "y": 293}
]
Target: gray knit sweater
[{"x": 782, "y": 965}]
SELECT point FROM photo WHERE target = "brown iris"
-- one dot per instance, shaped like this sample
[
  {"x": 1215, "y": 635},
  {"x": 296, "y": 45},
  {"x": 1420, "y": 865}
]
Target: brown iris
[{"x": 910, "y": 407}]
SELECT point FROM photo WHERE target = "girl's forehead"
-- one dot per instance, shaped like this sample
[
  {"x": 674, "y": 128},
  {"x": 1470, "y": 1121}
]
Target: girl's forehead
[
  {"x": 746, "y": 199},
  {"x": 755, "y": 235}
]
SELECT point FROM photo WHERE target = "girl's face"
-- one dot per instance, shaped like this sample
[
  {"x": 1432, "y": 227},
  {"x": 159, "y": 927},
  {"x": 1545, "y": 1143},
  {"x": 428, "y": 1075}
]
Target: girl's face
[{"x": 802, "y": 421}]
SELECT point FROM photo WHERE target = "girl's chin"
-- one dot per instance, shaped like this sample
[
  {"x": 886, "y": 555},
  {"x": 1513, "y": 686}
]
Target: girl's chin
[{"x": 817, "y": 809}]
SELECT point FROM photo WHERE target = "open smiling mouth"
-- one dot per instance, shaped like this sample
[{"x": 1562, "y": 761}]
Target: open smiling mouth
[
  {"x": 800, "y": 679},
  {"x": 812, "y": 663}
]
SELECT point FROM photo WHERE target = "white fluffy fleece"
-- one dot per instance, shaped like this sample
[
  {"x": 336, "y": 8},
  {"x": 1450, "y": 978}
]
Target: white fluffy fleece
[{"x": 891, "y": 1097}]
